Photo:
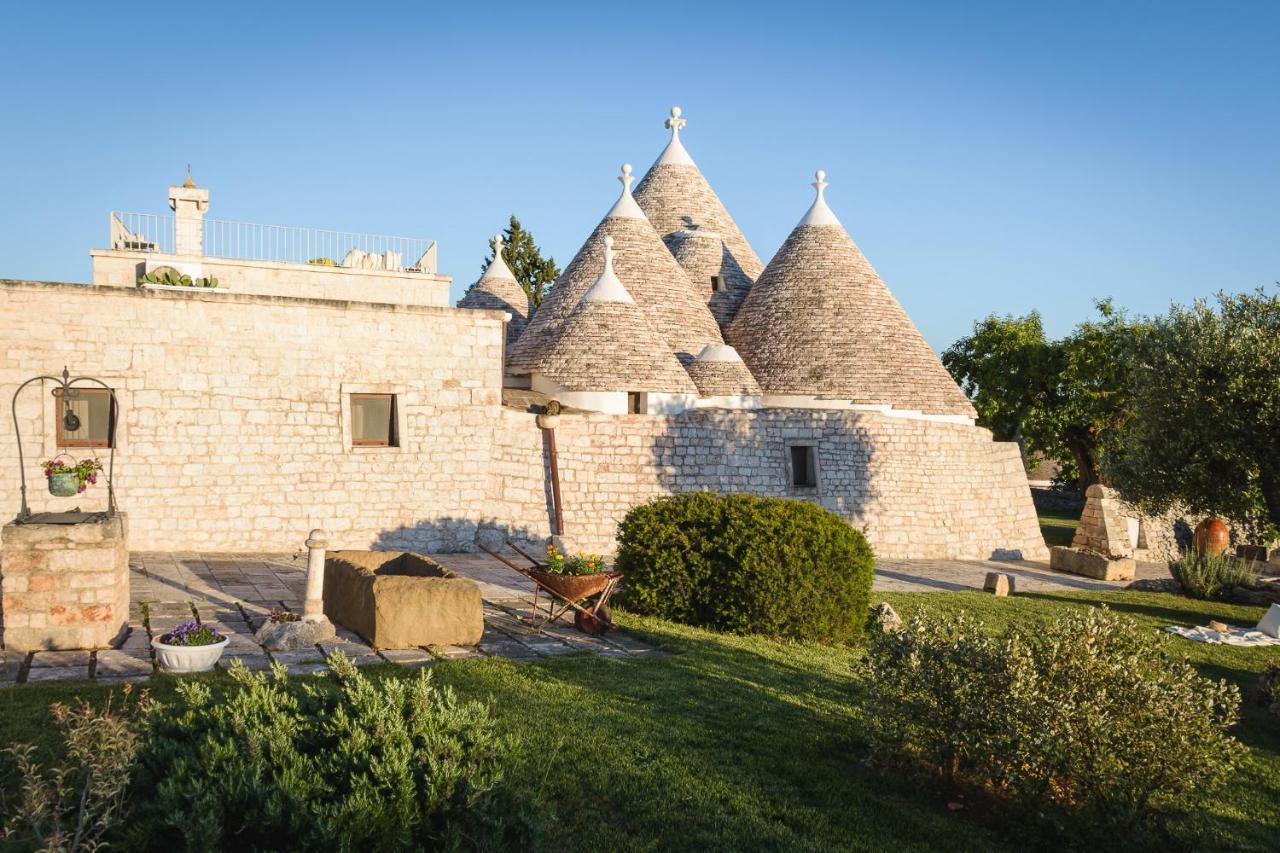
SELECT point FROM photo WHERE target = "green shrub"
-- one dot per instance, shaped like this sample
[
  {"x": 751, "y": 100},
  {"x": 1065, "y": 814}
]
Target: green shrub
[
  {"x": 1086, "y": 716},
  {"x": 393, "y": 764},
  {"x": 747, "y": 564},
  {"x": 78, "y": 800},
  {"x": 1269, "y": 688},
  {"x": 1209, "y": 576}
]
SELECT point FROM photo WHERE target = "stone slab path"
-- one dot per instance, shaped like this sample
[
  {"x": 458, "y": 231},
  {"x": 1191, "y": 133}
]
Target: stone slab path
[{"x": 236, "y": 591}]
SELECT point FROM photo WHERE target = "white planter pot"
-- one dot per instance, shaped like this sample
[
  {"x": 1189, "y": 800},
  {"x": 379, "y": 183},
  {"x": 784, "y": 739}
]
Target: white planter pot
[{"x": 188, "y": 658}]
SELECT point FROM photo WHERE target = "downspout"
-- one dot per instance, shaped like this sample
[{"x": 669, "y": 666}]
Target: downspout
[{"x": 547, "y": 421}]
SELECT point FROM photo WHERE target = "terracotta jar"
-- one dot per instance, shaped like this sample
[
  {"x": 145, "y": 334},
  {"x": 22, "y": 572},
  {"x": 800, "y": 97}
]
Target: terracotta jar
[{"x": 1212, "y": 537}]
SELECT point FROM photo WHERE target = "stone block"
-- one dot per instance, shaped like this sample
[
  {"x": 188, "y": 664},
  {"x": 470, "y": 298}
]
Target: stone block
[
  {"x": 399, "y": 600},
  {"x": 999, "y": 584},
  {"x": 1091, "y": 565}
]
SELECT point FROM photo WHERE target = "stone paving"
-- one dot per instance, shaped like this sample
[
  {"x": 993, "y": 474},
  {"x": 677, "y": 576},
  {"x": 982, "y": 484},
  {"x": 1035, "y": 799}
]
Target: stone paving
[{"x": 236, "y": 592}]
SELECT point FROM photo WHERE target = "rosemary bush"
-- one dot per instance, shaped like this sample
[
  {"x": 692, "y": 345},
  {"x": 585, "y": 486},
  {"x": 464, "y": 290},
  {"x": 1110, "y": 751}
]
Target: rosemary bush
[{"x": 1209, "y": 576}]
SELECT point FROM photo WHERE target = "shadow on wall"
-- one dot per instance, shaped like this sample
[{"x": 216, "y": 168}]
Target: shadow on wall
[
  {"x": 814, "y": 455},
  {"x": 454, "y": 536}
]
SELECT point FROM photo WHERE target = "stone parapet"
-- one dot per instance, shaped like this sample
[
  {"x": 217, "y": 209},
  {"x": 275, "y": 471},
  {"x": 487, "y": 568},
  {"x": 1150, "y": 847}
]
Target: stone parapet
[{"x": 64, "y": 586}]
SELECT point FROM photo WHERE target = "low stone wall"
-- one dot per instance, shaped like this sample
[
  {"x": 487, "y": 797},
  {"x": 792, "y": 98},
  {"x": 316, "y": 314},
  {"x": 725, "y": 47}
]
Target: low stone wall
[
  {"x": 1056, "y": 500},
  {"x": 65, "y": 586}
]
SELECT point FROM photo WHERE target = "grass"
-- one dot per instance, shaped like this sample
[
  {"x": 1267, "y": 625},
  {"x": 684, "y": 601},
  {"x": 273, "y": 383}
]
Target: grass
[
  {"x": 1058, "y": 526},
  {"x": 742, "y": 743}
]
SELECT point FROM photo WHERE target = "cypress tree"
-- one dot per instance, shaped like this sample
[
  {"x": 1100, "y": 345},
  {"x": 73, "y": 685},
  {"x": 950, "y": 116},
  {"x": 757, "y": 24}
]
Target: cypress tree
[{"x": 523, "y": 256}]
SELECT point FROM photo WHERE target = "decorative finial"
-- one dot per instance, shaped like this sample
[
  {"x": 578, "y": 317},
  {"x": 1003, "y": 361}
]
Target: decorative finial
[
  {"x": 190, "y": 182},
  {"x": 497, "y": 245},
  {"x": 625, "y": 207},
  {"x": 608, "y": 251},
  {"x": 625, "y": 179},
  {"x": 821, "y": 183},
  {"x": 674, "y": 123}
]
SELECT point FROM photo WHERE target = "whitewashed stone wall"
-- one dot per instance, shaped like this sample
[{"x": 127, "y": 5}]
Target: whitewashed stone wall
[{"x": 232, "y": 436}]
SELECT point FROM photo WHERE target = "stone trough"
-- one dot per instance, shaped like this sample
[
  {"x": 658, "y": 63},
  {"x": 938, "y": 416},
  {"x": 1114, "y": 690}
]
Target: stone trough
[{"x": 399, "y": 600}]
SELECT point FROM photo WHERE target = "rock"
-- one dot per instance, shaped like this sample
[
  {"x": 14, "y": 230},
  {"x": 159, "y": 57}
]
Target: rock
[
  {"x": 886, "y": 617},
  {"x": 292, "y": 636},
  {"x": 999, "y": 584},
  {"x": 1156, "y": 585}
]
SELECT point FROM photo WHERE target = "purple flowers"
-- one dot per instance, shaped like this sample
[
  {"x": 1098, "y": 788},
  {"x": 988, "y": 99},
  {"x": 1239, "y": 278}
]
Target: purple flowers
[{"x": 191, "y": 633}]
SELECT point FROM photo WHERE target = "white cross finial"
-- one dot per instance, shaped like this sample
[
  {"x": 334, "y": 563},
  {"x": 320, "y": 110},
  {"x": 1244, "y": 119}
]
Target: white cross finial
[{"x": 674, "y": 123}]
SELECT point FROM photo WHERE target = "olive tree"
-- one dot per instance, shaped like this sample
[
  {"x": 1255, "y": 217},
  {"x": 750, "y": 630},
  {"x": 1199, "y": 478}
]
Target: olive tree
[{"x": 1204, "y": 428}]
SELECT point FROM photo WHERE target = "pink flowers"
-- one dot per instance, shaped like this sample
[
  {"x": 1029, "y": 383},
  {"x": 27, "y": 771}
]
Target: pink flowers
[{"x": 85, "y": 471}]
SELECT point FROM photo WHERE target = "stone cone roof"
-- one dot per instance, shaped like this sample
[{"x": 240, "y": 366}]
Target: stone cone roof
[
  {"x": 719, "y": 371},
  {"x": 656, "y": 282},
  {"x": 819, "y": 321},
  {"x": 675, "y": 195},
  {"x": 703, "y": 254},
  {"x": 608, "y": 343},
  {"x": 498, "y": 289}
]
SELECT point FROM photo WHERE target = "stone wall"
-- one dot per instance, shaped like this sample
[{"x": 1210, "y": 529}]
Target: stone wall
[
  {"x": 114, "y": 268},
  {"x": 233, "y": 435}
]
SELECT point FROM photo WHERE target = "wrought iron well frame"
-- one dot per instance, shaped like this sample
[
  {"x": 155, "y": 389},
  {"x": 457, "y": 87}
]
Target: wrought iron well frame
[{"x": 65, "y": 391}]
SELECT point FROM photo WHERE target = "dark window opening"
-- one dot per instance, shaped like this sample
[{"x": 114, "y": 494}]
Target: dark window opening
[
  {"x": 804, "y": 467},
  {"x": 92, "y": 413},
  {"x": 373, "y": 420},
  {"x": 717, "y": 283},
  {"x": 635, "y": 403}
]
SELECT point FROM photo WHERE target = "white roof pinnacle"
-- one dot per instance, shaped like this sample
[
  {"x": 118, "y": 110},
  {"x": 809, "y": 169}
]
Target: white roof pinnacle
[
  {"x": 497, "y": 267},
  {"x": 675, "y": 154},
  {"x": 625, "y": 207},
  {"x": 719, "y": 353},
  {"x": 819, "y": 213},
  {"x": 607, "y": 287}
]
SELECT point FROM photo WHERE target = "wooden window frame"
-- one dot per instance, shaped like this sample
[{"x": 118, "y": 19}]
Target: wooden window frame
[
  {"x": 113, "y": 414},
  {"x": 641, "y": 401},
  {"x": 393, "y": 433}
]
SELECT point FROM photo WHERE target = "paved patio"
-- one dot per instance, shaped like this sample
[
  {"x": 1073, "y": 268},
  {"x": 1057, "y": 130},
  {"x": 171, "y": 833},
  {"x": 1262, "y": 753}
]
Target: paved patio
[{"x": 236, "y": 591}]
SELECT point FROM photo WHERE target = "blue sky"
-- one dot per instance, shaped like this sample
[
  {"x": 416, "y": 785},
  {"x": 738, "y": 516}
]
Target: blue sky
[{"x": 987, "y": 157}]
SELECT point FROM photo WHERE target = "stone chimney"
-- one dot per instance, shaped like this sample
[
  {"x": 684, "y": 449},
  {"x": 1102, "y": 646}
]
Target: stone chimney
[{"x": 189, "y": 204}]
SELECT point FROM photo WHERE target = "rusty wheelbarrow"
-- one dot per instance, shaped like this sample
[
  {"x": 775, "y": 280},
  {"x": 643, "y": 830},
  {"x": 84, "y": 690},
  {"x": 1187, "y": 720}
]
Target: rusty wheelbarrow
[{"x": 587, "y": 595}]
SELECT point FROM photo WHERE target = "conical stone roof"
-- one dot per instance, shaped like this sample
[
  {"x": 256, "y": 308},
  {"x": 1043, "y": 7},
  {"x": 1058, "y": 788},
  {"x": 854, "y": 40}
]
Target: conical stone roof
[
  {"x": 498, "y": 289},
  {"x": 704, "y": 256},
  {"x": 659, "y": 286},
  {"x": 674, "y": 195},
  {"x": 719, "y": 371},
  {"x": 607, "y": 343},
  {"x": 819, "y": 321}
]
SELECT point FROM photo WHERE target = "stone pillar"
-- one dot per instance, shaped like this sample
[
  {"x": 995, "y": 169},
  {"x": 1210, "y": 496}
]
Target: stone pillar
[
  {"x": 65, "y": 586},
  {"x": 313, "y": 609},
  {"x": 189, "y": 204}
]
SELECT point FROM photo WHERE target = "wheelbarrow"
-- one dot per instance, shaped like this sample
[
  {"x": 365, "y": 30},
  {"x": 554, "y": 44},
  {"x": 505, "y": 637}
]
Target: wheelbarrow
[{"x": 587, "y": 595}]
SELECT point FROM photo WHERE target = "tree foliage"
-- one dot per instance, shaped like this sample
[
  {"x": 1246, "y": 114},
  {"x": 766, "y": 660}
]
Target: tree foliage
[
  {"x": 524, "y": 257},
  {"x": 1205, "y": 425},
  {"x": 1062, "y": 399}
]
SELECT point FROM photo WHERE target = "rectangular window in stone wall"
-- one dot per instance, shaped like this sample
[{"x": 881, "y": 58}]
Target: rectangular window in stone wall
[
  {"x": 637, "y": 403},
  {"x": 717, "y": 283},
  {"x": 93, "y": 415},
  {"x": 373, "y": 420},
  {"x": 804, "y": 466}
]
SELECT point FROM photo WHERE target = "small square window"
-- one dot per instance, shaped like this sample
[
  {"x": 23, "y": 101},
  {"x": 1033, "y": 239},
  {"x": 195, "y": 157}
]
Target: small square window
[
  {"x": 804, "y": 466},
  {"x": 373, "y": 420},
  {"x": 717, "y": 283},
  {"x": 637, "y": 402},
  {"x": 93, "y": 414}
]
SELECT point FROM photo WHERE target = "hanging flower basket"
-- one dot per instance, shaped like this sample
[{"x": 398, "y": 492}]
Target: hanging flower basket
[{"x": 67, "y": 481}]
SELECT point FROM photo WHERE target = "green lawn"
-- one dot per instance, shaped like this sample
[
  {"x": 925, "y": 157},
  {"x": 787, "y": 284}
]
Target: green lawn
[
  {"x": 733, "y": 743},
  {"x": 1058, "y": 526}
]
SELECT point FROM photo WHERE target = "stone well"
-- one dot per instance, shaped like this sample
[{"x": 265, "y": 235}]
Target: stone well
[{"x": 65, "y": 586}]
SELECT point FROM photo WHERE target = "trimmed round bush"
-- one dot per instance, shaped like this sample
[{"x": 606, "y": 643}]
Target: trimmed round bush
[{"x": 748, "y": 565}]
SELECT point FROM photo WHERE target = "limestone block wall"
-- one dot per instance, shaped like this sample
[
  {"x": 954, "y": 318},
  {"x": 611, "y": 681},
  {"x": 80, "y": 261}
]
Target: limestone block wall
[
  {"x": 114, "y": 268},
  {"x": 233, "y": 433},
  {"x": 919, "y": 489}
]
